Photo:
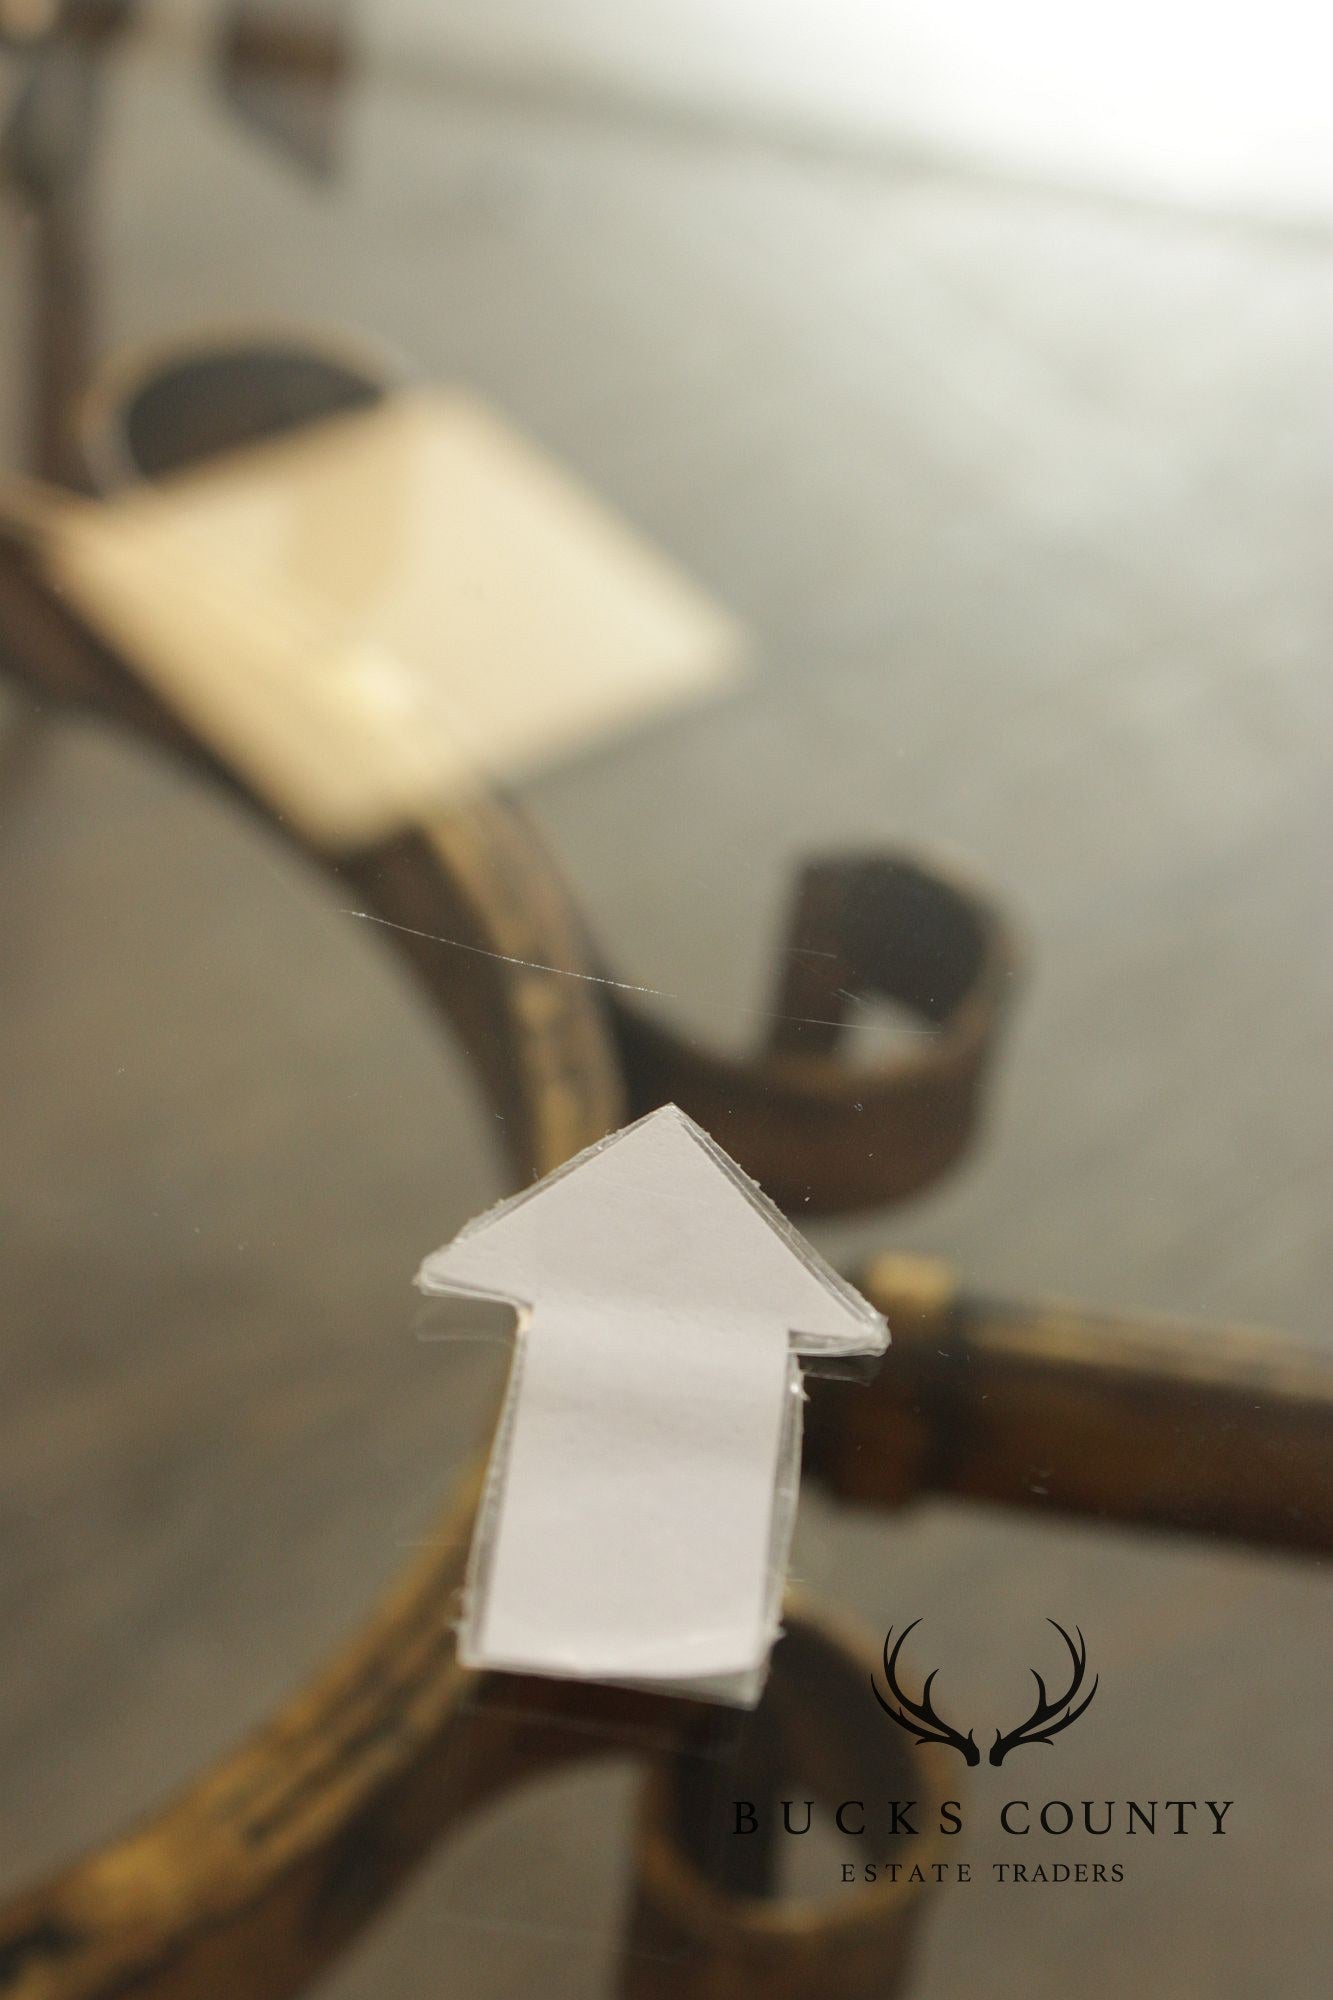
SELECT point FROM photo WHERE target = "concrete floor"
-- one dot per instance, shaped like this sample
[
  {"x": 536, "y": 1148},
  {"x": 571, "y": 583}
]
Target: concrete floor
[{"x": 1027, "y": 499}]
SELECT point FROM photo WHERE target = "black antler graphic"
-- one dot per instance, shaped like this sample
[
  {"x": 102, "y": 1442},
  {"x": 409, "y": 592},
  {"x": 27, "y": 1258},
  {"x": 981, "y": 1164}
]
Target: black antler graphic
[
  {"x": 1048, "y": 1718},
  {"x": 920, "y": 1719}
]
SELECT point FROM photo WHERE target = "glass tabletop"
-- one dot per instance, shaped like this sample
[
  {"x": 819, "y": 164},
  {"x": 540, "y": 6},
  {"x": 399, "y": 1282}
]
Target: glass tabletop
[{"x": 1015, "y": 479}]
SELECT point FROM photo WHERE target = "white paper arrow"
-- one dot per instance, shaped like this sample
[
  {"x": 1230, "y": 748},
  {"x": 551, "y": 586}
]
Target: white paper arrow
[{"x": 641, "y": 1491}]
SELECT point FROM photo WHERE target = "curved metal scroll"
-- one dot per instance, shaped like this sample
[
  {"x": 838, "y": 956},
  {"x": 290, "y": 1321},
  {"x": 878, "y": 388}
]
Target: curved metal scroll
[{"x": 267, "y": 1866}]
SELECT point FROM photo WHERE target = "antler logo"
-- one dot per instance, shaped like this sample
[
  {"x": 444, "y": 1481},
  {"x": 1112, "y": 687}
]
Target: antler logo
[
  {"x": 920, "y": 1719},
  {"x": 1048, "y": 1718}
]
